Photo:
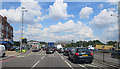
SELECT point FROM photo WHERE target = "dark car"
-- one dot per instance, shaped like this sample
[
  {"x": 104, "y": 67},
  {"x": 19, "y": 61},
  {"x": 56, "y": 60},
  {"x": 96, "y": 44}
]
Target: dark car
[
  {"x": 12, "y": 48},
  {"x": 66, "y": 52},
  {"x": 115, "y": 54},
  {"x": 50, "y": 50},
  {"x": 61, "y": 50},
  {"x": 81, "y": 54}
]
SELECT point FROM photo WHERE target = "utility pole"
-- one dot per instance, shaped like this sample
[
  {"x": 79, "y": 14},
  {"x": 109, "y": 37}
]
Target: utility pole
[{"x": 21, "y": 44}]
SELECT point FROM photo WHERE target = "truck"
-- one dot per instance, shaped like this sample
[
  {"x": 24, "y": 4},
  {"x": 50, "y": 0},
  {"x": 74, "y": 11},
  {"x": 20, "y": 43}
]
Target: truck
[
  {"x": 50, "y": 44},
  {"x": 36, "y": 46}
]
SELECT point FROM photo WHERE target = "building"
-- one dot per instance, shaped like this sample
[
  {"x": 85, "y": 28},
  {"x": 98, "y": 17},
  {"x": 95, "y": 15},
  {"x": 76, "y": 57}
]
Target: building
[{"x": 6, "y": 31}]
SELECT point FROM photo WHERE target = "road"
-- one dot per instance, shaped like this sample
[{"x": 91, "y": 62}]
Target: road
[{"x": 36, "y": 60}]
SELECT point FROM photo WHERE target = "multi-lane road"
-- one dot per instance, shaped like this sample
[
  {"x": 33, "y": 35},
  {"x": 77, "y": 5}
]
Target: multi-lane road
[{"x": 33, "y": 60}]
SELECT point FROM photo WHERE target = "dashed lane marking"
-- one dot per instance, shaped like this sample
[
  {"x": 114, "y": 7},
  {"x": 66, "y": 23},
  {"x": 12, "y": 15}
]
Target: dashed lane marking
[
  {"x": 35, "y": 64},
  {"x": 68, "y": 64},
  {"x": 42, "y": 57}
]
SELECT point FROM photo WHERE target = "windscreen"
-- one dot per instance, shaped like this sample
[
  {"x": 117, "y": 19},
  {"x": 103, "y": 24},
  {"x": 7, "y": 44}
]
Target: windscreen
[{"x": 81, "y": 50}]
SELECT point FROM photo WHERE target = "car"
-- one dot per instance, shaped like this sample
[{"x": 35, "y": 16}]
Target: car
[
  {"x": 81, "y": 54},
  {"x": 61, "y": 50},
  {"x": 66, "y": 52},
  {"x": 2, "y": 50},
  {"x": 115, "y": 54},
  {"x": 50, "y": 50},
  {"x": 12, "y": 48}
]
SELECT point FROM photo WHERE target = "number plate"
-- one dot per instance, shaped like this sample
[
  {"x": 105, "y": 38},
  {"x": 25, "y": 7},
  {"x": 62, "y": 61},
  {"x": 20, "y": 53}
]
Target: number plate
[{"x": 84, "y": 55}]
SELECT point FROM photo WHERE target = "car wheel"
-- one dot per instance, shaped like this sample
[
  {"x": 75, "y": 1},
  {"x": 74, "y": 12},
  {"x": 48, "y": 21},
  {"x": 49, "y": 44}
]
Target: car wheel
[{"x": 3, "y": 55}]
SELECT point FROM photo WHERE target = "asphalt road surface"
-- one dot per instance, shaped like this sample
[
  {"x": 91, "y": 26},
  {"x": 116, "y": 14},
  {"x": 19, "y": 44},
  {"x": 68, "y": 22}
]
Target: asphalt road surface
[{"x": 37, "y": 60}]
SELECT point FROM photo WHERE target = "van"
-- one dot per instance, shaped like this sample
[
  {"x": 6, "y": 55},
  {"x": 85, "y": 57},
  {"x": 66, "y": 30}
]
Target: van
[{"x": 2, "y": 50}]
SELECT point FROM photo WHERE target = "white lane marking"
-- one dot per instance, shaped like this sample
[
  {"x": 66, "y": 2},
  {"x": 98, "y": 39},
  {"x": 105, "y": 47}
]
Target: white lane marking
[
  {"x": 68, "y": 64},
  {"x": 65, "y": 61},
  {"x": 42, "y": 57},
  {"x": 81, "y": 65},
  {"x": 91, "y": 65},
  {"x": 35, "y": 64}
]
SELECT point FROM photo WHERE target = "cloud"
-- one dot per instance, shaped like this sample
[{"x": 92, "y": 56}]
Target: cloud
[
  {"x": 104, "y": 19},
  {"x": 107, "y": 24},
  {"x": 61, "y": 31},
  {"x": 85, "y": 12},
  {"x": 15, "y": 15},
  {"x": 113, "y": 2},
  {"x": 57, "y": 11}
]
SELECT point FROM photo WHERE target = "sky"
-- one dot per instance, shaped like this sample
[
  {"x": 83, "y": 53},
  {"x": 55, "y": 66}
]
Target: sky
[{"x": 64, "y": 21}]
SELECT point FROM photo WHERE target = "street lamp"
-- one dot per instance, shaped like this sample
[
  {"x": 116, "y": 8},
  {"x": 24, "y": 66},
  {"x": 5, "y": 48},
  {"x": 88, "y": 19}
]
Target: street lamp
[{"x": 23, "y": 10}]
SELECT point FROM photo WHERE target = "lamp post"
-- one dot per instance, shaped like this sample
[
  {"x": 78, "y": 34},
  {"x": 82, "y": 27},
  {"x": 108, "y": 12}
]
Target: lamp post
[{"x": 23, "y": 10}]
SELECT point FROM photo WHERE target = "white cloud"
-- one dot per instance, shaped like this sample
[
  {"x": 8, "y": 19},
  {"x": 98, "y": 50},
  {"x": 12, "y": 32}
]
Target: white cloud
[
  {"x": 57, "y": 11},
  {"x": 15, "y": 15},
  {"x": 85, "y": 12},
  {"x": 104, "y": 19},
  {"x": 61, "y": 31},
  {"x": 107, "y": 24},
  {"x": 113, "y": 2}
]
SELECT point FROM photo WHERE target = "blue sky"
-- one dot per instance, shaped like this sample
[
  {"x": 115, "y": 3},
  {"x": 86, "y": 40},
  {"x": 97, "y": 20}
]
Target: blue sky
[{"x": 72, "y": 17}]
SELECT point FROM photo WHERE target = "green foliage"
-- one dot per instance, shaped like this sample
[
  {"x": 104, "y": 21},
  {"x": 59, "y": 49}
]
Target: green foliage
[{"x": 112, "y": 43}]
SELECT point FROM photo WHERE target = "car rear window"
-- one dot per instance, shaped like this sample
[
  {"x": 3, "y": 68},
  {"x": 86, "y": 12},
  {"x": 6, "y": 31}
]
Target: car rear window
[{"x": 80, "y": 50}]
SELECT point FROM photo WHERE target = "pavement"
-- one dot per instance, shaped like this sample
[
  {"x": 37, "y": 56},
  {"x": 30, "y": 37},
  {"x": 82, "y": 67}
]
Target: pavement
[
  {"x": 37, "y": 60},
  {"x": 107, "y": 58}
]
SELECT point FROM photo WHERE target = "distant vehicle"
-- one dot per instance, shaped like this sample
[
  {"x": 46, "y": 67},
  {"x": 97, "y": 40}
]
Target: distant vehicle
[
  {"x": 115, "y": 54},
  {"x": 50, "y": 44},
  {"x": 50, "y": 50},
  {"x": 2, "y": 50},
  {"x": 61, "y": 50},
  {"x": 36, "y": 46},
  {"x": 12, "y": 48},
  {"x": 66, "y": 52},
  {"x": 91, "y": 48},
  {"x": 79, "y": 54}
]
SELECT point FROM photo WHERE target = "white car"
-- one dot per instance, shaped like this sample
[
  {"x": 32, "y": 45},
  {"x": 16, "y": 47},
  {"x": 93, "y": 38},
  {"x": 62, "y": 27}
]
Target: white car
[{"x": 2, "y": 50}]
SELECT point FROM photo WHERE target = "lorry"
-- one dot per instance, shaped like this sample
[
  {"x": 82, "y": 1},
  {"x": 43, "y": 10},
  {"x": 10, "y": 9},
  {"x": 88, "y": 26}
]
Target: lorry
[
  {"x": 50, "y": 44},
  {"x": 36, "y": 46}
]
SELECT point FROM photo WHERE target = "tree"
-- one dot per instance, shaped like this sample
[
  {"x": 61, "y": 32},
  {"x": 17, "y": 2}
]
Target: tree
[{"x": 112, "y": 43}]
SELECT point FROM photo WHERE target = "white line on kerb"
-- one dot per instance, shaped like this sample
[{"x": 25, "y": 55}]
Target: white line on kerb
[{"x": 35, "y": 64}]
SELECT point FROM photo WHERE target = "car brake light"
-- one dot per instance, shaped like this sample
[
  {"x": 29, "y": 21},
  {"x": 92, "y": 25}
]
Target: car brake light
[
  {"x": 67, "y": 50},
  {"x": 91, "y": 53},
  {"x": 77, "y": 54}
]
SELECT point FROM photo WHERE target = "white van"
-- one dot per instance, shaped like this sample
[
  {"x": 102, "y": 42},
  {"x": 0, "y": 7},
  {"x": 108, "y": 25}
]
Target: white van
[{"x": 2, "y": 50}]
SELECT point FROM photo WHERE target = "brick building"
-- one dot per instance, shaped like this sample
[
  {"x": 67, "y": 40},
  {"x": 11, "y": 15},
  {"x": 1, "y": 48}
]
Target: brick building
[{"x": 6, "y": 31}]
